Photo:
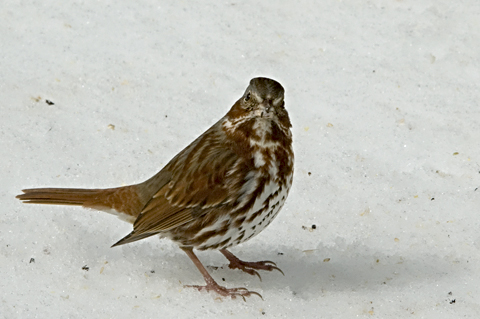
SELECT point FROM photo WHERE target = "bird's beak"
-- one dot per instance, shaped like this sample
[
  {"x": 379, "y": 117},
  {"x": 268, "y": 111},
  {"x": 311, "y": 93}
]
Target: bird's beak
[{"x": 267, "y": 105}]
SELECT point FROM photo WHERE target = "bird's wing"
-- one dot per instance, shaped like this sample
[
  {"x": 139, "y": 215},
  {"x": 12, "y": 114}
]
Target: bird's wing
[{"x": 204, "y": 176}]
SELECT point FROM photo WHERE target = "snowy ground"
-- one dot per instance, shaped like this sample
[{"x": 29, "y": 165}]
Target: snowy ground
[{"x": 383, "y": 96}]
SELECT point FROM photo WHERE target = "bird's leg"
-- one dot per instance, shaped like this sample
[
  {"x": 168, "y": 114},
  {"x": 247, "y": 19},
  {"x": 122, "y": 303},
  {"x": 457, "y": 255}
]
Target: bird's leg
[
  {"x": 212, "y": 284},
  {"x": 249, "y": 267}
]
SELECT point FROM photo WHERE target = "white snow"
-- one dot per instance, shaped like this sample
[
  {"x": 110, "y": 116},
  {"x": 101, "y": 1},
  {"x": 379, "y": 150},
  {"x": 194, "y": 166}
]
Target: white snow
[{"x": 383, "y": 97}]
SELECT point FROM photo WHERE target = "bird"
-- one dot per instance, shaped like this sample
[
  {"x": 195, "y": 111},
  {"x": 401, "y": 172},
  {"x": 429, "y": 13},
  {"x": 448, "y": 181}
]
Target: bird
[{"x": 218, "y": 192}]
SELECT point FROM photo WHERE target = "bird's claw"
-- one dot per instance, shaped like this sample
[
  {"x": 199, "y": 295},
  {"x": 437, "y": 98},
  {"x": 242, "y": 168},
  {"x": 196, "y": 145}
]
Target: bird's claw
[
  {"x": 226, "y": 292},
  {"x": 252, "y": 267}
]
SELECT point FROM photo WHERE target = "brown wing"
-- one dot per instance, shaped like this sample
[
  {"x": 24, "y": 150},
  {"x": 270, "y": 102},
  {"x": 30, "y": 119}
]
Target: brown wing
[{"x": 202, "y": 177}]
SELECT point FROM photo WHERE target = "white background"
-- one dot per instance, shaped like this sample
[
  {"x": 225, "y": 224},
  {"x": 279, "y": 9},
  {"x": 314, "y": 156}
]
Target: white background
[{"x": 383, "y": 97}]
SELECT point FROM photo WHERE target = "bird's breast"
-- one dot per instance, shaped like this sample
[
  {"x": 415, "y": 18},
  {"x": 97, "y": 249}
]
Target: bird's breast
[{"x": 244, "y": 224}]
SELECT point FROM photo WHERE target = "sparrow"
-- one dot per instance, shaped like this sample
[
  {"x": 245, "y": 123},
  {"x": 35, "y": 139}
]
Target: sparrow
[{"x": 218, "y": 192}]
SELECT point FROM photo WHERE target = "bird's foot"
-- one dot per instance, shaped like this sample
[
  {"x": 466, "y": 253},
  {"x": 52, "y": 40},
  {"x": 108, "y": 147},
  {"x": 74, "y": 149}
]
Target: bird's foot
[
  {"x": 250, "y": 267},
  {"x": 225, "y": 292}
]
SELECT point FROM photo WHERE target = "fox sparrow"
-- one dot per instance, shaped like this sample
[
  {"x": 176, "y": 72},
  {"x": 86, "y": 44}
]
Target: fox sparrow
[{"x": 220, "y": 191}]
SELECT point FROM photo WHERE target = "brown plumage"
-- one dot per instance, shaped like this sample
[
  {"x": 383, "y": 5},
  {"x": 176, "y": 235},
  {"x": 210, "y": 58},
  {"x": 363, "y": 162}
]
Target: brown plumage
[{"x": 221, "y": 190}]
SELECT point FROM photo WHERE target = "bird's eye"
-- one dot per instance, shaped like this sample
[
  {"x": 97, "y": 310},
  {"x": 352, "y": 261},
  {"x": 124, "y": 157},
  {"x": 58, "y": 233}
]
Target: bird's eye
[{"x": 247, "y": 97}]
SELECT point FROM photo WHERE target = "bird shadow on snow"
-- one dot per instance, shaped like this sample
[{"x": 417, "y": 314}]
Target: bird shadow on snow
[{"x": 313, "y": 273}]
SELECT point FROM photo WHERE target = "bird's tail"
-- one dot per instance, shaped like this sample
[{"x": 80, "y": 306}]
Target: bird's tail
[
  {"x": 121, "y": 199},
  {"x": 59, "y": 196}
]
